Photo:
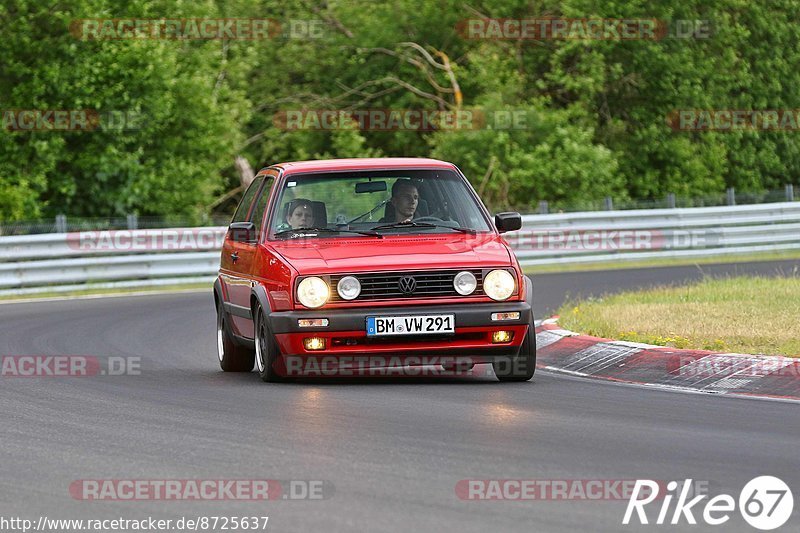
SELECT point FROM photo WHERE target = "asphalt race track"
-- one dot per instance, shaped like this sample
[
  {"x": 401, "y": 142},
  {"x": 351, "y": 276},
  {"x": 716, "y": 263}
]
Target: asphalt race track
[{"x": 393, "y": 449}]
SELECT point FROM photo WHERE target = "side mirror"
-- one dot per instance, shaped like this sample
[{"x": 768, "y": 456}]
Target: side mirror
[
  {"x": 242, "y": 232},
  {"x": 510, "y": 221}
]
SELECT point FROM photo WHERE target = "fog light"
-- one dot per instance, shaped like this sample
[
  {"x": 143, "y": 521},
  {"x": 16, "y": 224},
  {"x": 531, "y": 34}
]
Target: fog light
[
  {"x": 312, "y": 322},
  {"x": 505, "y": 316},
  {"x": 499, "y": 337},
  {"x": 314, "y": 343}
]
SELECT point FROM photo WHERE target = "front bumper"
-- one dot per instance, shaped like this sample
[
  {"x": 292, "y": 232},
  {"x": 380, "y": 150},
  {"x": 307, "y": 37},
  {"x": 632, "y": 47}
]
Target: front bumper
[{"x": 346, "y": 332}]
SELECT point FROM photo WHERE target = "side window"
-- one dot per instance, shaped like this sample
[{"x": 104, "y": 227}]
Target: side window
[
  {"x": 244, "y": 206},
  {"x": 261, "y": 205}
]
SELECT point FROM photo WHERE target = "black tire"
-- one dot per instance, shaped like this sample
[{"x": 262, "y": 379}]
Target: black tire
[
  {"x": 267, "y": 354},
  {"x": 233, "y": 357},
  {"x": 523, "y": 366}
]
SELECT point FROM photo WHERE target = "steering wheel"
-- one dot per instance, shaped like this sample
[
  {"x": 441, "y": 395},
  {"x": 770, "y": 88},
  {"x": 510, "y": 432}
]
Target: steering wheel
[{"x": 427, "y": 219}]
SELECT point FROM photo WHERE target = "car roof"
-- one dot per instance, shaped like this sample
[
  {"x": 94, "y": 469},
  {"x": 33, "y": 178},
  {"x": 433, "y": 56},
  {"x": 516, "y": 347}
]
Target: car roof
[{"x": 367, "y": 163}]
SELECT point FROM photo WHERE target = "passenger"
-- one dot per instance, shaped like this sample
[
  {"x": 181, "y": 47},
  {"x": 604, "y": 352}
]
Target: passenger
[{"x": 300, "y": 214}]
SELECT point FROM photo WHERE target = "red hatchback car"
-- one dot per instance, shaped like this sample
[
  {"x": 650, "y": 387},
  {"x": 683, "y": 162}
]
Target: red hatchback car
[{"x": 365, "y": 263}]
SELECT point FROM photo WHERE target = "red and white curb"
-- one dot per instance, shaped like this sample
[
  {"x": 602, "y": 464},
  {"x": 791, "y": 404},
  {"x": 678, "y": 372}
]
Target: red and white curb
[{"x": 661, "y": 367}]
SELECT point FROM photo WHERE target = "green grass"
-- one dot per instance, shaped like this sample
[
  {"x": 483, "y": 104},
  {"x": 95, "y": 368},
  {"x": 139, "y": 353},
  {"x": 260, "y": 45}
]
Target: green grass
[
  {"x": 616, "y": 265},
  {"x": 743, "y": 314}
]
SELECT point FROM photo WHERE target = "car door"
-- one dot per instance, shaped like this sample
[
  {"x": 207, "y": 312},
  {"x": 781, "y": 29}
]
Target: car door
[
  {"x": 249, "y": 255},
  {"x": 236, "y": 263}
]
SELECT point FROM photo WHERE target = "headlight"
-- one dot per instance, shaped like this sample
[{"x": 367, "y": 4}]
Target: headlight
[
  {"x": 313, "y": 292},
  {"x": 498, "y": 285},
  {"x": 465, "y": 283},
  {"x": 348, "y": 288}
]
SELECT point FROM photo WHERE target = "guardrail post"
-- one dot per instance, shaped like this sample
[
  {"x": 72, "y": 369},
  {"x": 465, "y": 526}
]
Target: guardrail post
[
  {"x": 731, "y": 196},
  {"x": 61, "y": 223},
  {"x": 133, "y": 221},
  {"x": 609, "y": 203},
  {"x": 543, "y": 207},
  {"x": 789, "y": 192},
  {"x": 671, "y": 200}
]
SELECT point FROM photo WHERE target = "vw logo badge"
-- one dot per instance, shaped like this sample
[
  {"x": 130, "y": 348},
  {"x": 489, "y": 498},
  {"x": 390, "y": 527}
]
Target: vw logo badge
[{"x": 407, "y": 284}]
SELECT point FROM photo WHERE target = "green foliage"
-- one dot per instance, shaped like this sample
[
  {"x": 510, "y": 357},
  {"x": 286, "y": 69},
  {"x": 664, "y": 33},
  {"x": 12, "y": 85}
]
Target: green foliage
[
  {"x": 166, "y": 161},
  {"x": 551, "y": 158},
  {"x": 596, "y": 110}
]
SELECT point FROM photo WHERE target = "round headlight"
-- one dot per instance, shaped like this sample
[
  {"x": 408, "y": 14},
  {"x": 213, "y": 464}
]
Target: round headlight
[
  {"x": 498, "y": 285},
  {"x": 465, "y": 283},
  {"x": 313, "y": 292},
  {"x": 348, "y": 288}
]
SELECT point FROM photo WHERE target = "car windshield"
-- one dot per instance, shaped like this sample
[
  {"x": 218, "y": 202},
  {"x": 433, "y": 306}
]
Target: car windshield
[{"x": 339, "y": 204}]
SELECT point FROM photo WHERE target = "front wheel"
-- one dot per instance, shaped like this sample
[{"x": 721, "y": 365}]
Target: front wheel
[
  {"x": 232, "y": 356},
  {"x": 521, "y": 367},
  {"x": 267, "y": 359}
]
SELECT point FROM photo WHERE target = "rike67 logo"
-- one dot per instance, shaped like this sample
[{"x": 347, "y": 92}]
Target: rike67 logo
[{"x": 765, "y": 503}]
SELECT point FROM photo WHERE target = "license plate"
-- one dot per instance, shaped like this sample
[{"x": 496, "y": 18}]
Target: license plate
[{"x": 410, "y": 325}]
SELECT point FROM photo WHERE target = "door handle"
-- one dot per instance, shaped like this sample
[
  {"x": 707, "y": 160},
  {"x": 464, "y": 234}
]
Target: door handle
[{"x": 234, "y": 257}]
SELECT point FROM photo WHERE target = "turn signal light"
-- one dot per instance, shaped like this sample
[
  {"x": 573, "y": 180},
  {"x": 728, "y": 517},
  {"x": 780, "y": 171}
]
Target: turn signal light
[
  {"x": 513, "y": 315},
  {"x": 312, "y": 322}
]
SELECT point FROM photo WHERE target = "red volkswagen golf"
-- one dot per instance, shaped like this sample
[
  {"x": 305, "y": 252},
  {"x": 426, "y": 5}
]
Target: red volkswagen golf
[{"x": 365, "y": 263}]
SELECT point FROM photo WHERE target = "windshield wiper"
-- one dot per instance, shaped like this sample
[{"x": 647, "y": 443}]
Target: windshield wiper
[
  {"x": 302, "y": 231},
  {"x": 412, "y": 224}
]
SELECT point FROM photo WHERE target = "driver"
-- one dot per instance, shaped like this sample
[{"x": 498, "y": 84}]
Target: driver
[
  {"x": 300, "y": 214},
  {"x": 405, "y": 199}
]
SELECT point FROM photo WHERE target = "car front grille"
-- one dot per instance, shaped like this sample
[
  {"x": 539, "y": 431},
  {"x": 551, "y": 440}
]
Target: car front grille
[{"x": 386, "y": 285}]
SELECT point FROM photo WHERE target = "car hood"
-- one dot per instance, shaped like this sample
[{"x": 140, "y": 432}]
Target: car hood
[{"x": 394, "y": 252}]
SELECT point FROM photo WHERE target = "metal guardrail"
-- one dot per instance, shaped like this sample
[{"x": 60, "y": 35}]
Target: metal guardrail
[
  {"x": 133, "y": 258},
  {"x": 24, "y": 248},
  {"x": 595, "y": 237}
]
